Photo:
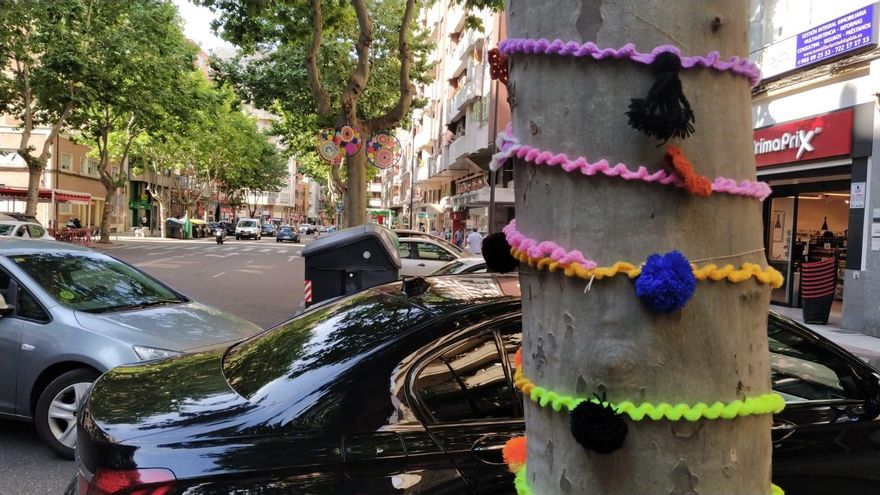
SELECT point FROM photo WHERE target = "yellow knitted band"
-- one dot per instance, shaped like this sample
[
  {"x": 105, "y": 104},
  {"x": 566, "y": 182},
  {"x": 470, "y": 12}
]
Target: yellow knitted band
[
  {"x": 761, "y": 404},
  {"x": 712, "y": 272}
]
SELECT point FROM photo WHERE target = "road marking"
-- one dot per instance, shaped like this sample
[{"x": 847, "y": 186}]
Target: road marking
[
  {"x": 192, "y": 247},
  {"x": 248, "y": 262},
  {"x": 219, "y": 274},
  {"x": 248, "y": 249},
  {"x": 265, "y": 250},
  {"x": 217, "y": 255},
  {"x": 280, "y": 251},
  {"x": 291, "y": 258}
]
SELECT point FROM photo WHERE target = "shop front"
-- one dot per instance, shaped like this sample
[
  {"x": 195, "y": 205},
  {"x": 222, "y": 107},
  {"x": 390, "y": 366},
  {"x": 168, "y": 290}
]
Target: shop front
[{"x": 817, "y": 169}]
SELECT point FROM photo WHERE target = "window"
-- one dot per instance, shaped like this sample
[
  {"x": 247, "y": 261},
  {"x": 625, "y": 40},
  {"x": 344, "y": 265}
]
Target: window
[
  {"x": 433, "y": 252},
  {"x": 4, "y": 285},
  {"x": 35, "y": 230},
  {"x": 66, "y": 162},
  {"x": 21, "y": 231},
  {"x": 405, "y": 250},
  {"x": 801, "y": 370},
  {"x": 28, "y": 307},
  {"x": 466, "y": 381},
  {"x": 89, "y": 166}
]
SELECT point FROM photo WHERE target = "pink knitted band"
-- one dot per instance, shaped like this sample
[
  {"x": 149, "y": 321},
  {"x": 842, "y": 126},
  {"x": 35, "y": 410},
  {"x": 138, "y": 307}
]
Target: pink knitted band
[
  {"x": 545, "y": 249},
  {"x": 511, "y": 147},
  {"x": 737, "y": 65}
]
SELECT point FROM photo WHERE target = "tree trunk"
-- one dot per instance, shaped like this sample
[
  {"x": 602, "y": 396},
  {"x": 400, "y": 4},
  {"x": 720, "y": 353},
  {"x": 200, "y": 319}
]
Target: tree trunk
[
  {"x": 354, "y": 202},
  {"x": 35, "y": 173},
  {"x": 581, "y": 342},
  {"x": 107, "y": 212}
]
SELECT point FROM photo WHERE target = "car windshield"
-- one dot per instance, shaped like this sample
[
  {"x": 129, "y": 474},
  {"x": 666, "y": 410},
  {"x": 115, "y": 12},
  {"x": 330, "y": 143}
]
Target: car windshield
[
  {"x": 291, "y": 358},
  {"x": 285, "y": 230},
  {"x": 451, "y": 268},
  {"x": 93, "y": 282},
  {"x": 247, "y": 223},
  {"x": 6, "y": 229}
]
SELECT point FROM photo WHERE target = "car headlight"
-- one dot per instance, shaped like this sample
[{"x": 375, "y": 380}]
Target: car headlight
[{"x": 151, "y": 353}]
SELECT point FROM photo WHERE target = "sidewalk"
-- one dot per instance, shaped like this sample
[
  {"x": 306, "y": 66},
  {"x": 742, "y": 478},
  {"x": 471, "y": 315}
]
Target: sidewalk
[{"x": 864, "y": 346}]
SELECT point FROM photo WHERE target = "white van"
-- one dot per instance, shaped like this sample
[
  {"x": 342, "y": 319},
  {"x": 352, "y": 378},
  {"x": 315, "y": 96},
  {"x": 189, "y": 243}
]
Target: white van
[{"x": 248, "y": 228}]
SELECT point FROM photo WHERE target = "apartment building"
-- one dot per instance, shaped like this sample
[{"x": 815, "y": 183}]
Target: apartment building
[
  {"x": 444, "y": 180},
  {"x": 70, "y": 186}
]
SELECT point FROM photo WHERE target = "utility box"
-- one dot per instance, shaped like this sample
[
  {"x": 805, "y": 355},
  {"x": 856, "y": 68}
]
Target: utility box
[{"x": 349, "y": 261}]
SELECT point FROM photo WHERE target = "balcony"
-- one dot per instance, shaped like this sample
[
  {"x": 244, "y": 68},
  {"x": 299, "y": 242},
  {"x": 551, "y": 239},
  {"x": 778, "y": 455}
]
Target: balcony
[
  {"x": 457, "y": 105},
  {"x": 465, "y": 46}
]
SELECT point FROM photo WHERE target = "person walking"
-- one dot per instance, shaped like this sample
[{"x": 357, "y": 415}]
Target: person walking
[
  {"x": 475, "y": 242},
  {"x": 458, "y": 237}
]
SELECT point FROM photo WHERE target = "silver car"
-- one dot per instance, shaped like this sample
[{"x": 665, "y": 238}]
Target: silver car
[{"x": 68, "y": 314}]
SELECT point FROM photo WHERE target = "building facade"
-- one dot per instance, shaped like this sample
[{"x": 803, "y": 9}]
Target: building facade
[
  {"x": 816, "y": 129},
  {"x": 443, "y": 182}
]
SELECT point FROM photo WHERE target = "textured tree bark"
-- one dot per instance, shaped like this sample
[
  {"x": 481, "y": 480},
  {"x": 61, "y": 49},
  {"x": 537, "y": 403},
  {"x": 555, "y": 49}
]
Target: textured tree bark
[
  {"x": 354, "y": 208},
  {"x": 605, "y": 340}
]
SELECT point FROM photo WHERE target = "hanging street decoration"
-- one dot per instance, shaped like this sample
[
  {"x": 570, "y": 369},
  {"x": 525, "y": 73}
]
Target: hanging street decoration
[
  {"x": 349, "y": 140},
  {"x": 383, "y": 150},
  {"x": 327, "y": 148}
]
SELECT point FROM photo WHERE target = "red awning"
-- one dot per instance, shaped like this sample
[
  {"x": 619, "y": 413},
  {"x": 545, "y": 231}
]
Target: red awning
[
  {"x": 73, "y": 197},
  {"x": 45, "y": 195}
]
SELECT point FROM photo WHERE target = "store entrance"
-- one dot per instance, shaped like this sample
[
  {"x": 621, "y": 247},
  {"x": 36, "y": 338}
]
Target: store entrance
[{"x": 806, "y": 223}]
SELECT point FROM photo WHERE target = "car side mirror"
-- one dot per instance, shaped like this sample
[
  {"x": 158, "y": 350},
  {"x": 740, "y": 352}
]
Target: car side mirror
[{"x": 5, "y": 309}]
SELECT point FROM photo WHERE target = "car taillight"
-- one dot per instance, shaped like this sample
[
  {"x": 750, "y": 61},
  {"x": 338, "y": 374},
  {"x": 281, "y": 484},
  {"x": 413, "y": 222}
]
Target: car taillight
[{"x": 153, "y": 481}]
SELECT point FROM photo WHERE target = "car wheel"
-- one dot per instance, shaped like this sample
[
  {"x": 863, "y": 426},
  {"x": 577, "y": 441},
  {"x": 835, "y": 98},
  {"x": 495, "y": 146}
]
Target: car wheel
[
  {"x": 58, "y": 407},
  {"x": 237, "y": 237}
]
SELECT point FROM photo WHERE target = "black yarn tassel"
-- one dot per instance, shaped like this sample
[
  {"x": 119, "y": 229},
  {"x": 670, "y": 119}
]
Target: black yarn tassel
[{"x": 665, "y": 113}]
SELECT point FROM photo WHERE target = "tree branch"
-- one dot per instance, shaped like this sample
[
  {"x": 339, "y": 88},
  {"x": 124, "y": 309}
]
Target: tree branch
[
  {"x": 394, "y": 115},
  {"x": 358, "y": 79},
  {"x": 322, "y": 99},
  {"x": 338, "y": 182},
  {"x": 56, "y": 128}
]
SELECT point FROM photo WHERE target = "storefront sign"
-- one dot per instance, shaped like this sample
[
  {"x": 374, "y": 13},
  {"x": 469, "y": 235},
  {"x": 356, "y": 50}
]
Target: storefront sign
[
  {"x": 470, "y": 184},
  {"x": 854, "y": 31},
  {"x": 857, "y": 195},
  {"x": 844, "y": 34},
  {"x": 807, "y": 139},
  {"x": 135, "y": 205}
]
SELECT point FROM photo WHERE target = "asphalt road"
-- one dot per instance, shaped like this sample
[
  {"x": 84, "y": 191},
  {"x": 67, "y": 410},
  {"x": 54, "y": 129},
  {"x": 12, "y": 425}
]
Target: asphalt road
[{"x": 260, "y": 281}]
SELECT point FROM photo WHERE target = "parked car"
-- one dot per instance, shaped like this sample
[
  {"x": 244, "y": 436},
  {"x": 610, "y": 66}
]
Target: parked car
[
  {"x": 268, "y": 229},
  {"x": 423, "y": 256},
  {"x": 364, "y": 391},
  {"x": 287, "y": 233},
  {"x": 418, "y": 234},
  {"x": 21, "y": 217},
  {"x": 75, "y": 313},
  {"x": 307, "y": 229},
  {"x": 26, "y": 230},
  {"x": 248, "y": 228},
  {"x": 462, "y": 266},
  {"x": 229, "y": 226}
]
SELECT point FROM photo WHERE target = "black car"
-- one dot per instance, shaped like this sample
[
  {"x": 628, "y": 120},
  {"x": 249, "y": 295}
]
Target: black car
[
  {"x": 287, "y": 233},
  {"x": 268, "y": 229},
  {"x": 383, "y": 392}
]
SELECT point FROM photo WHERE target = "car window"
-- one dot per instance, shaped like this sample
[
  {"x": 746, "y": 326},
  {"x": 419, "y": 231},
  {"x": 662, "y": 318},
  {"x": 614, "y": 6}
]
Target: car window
[
  {"x": 802, "y": 370},
  {"x": 6, "y": 229},
  {"x": 4, "y": 285},
  {"x": 466, "y": 381},
  {"x": 21, "y": 231},
  {"x": 36, "y": 231},
  {"x": 405, "y": 250},
  {"x": 429, "y": 251},
  {"x": 94, "y": 282},
  {"x": 28, "y": 307}
]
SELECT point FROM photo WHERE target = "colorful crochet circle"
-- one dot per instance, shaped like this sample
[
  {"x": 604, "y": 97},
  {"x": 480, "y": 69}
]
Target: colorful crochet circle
[
  {"x": 383, "y": 150},
  {"x": 327, "y": 148},
  {"x": 348, "y": 138}
]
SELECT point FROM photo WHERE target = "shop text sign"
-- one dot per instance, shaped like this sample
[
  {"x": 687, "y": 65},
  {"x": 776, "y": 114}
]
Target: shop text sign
[
  {"x": 807, "y": 139},
  {"x": 833, "y": 38}
]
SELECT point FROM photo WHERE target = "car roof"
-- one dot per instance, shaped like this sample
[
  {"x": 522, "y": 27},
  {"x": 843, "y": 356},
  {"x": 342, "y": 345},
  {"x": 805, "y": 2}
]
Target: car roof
[
  {"x": 22, "y": 246},
  {"x": 454, "y": 292}
]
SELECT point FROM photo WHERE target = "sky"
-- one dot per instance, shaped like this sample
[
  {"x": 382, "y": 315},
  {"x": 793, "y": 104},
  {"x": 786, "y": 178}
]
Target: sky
[{"x": 197, "y": 25}]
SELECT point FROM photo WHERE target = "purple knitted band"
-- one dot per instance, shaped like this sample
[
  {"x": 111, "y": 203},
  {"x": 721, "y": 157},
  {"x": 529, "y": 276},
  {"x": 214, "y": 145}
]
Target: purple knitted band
[{"x": 737, "y": 65}]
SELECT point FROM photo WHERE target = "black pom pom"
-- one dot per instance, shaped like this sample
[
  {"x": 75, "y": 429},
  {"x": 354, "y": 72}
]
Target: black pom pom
[
  {"x": 598, "y": 428},
  {"x": 496, "y": 252},
  {"x": 665, "y": 113}
]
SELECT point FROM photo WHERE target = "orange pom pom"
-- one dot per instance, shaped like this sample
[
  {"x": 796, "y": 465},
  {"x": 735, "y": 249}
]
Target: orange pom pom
[
  {"x": 517, "y": 358},
  {"x": 694, "y": 183},
  {"x": 515, "y": 453}
]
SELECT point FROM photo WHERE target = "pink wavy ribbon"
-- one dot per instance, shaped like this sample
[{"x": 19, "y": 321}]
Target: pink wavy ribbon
[
  {"x": 736, "y": 65},
  {"x": 544, "y": 249},
  {"x": 511, "y": 147}
]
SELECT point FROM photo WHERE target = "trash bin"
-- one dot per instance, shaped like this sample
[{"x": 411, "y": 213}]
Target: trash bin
[
  {"x": 350, "y": 260},
  {"x": 174, "y": 228}
]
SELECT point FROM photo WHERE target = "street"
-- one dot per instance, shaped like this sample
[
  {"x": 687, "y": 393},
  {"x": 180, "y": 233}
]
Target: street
[{"x": 261, "y": 281}]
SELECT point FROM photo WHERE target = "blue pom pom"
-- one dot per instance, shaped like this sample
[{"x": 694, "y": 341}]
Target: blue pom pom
[{"x": 666, "y": 283}]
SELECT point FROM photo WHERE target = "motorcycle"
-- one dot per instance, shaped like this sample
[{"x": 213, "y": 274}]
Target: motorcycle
[{"x": 220, "y": 235}]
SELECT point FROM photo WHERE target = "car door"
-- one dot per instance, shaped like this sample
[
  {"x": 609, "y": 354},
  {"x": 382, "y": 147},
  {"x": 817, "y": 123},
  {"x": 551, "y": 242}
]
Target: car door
[
  {"x": 463, "y": 391},
  {"x": 35, "y": 231},
  {"x": 827, "y": 440},
  {"x": 408, "y": 260},
  {"x": 430, "y": 257},
  {"x": 10, "y": 348}
]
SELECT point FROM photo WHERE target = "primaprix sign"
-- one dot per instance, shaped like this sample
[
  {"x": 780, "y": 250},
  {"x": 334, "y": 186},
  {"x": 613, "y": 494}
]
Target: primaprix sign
[{"x": 808, "y": 139}]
